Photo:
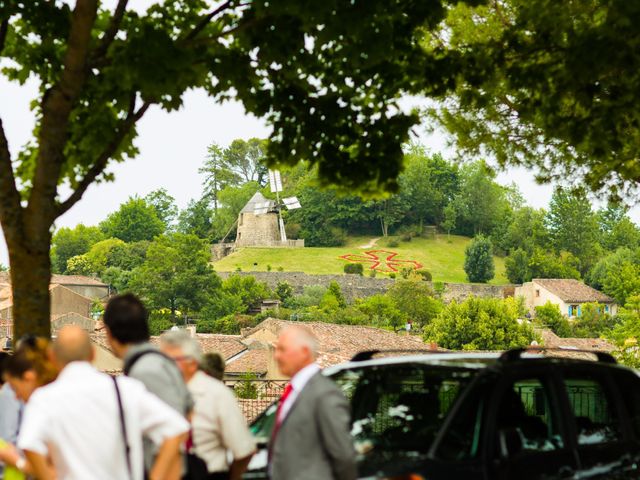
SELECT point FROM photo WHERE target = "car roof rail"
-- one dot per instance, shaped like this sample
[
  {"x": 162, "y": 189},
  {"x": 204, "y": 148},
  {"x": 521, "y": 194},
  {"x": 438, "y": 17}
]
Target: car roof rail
[
  {"x": 516, "y": 353},
  {"x": 369, "y": 354}
]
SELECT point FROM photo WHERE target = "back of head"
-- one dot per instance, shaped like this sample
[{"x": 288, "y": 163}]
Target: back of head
[
  {"x": 213, "y": 365},
  {"x": 32, "y": 354},
  {"x": 189, "y": 346},
  {"x": 72, "y": 345},
  {"x": 127, "y": 319}
]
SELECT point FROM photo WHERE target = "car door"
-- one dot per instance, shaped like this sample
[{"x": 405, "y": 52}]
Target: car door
[
  {"x": 527, "y": 437},
  {"x": 599, "y": 424}
]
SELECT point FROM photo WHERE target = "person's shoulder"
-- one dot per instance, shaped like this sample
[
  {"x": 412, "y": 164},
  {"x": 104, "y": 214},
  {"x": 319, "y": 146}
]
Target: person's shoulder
[{"x": 203, "y": 382}]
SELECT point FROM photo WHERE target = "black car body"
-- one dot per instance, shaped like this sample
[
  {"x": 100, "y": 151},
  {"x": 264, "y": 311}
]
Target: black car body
[{"x": 487, "y": 417}]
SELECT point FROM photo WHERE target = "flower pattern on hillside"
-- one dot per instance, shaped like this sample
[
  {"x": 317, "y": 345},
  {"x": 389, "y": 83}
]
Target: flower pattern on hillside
[{"x": 383, "y": 261}]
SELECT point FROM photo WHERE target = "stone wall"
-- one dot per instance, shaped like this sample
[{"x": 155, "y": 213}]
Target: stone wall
[
  {"x": 356, "y": 286},
  {"x": 257, "y": 230}
]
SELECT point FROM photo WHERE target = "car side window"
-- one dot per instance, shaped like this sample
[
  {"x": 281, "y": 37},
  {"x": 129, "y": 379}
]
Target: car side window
[
  {"x": 593, "y": 409},
  {"x": 461, "y": 441},
  {"x": 527, "y": 420}
]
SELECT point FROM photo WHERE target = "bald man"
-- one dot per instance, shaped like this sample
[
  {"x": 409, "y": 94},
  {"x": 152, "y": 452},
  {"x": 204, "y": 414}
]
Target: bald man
[
  {"x": 311, "y": 438},
  {"x": 78, "y": 423}
]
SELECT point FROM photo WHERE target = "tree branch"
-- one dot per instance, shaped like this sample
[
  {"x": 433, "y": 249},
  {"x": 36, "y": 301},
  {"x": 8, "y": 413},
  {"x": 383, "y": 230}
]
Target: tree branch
[
  {"x": 101, "y": 163},
  {"x": 111, "y": 31},
  {"x": 4, "y": 29},
  {"x": 10, "y": 208},
  {"x": 56, "y": 109},
  {"x": 206, "y": 19}
]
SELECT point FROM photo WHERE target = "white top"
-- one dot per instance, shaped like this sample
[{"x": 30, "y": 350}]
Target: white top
[
  {"x": 298, "y": 382},
  {"x": 218, "y": 423},
  {"x": 76, "y": 421}
]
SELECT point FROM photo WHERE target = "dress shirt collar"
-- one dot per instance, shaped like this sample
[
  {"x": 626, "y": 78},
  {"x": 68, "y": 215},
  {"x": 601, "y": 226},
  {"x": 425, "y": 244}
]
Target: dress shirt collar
[
  {"x": 76, "y": 369},
  {"x": 300, "y": 379}
]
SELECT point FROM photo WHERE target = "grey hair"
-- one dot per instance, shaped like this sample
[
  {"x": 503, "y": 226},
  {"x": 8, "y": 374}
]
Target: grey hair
[
  {"x": 305, "y": 337},
  {"x": 189, "y": 346}
]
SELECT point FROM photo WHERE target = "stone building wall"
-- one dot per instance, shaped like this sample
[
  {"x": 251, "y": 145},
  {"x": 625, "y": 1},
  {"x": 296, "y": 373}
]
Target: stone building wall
[
  {"x": 356, "y": 286},
  {"x": 257, "y": 230}
]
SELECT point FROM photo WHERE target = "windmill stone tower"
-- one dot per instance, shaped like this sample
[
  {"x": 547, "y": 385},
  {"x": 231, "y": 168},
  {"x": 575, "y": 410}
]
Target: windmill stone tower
[
  {"x": 260, "y": 222},
  {"x": 257, "y": 230}
]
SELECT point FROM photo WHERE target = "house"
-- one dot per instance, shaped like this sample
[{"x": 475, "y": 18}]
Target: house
[
  {"x": 83, "y": 285},
  {"x": 569, "y": 294},
  {"x": 67, "y": 308}
]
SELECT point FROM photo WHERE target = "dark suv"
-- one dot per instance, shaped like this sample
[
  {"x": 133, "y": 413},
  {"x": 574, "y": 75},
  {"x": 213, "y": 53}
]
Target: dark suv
[{"x": 487, "y": 416}]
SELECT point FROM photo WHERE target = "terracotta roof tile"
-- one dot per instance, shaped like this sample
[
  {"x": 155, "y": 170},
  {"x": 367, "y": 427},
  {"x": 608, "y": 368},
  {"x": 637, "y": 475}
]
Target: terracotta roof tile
[
  {"x": 253, "y": 361},
  {"x": 570, "y": 290}
]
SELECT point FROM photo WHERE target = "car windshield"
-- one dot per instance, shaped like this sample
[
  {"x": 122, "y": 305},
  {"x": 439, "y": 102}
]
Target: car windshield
[
  {"x": 400, "y": 407},
  {"x": 395, "y": 408}
]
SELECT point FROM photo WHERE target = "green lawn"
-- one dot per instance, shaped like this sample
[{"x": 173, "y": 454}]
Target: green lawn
[{"x": 442, "y": 257}]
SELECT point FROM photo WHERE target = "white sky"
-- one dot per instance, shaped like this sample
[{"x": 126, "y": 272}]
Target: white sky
[{"x": 172, "y": 148}]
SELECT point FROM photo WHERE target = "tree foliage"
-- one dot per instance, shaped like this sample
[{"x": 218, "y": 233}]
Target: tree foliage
[
  {"x": 176, "y": 274},
  {"x": 480, "y": 324},
  {"x": 549, "y": 85},
  {"x": 332, "y": 102},
  {"x": 478, "y": 260},
  {"x": 70, "y": 242},
  {"x": 134, "y": 221}
]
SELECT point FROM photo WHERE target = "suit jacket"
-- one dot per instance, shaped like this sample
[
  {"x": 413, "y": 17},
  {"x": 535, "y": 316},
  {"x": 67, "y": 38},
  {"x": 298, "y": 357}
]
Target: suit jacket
[{"x": 314, "y": 440}]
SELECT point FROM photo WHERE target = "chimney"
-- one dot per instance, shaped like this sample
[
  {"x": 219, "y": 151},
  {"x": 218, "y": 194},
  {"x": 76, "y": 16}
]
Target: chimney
[{"x": 192, "y": 330}]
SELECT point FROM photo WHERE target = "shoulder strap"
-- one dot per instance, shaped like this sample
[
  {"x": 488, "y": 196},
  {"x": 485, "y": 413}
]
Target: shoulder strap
[
  {"x": 123, "y": 427},
  {"x": 131, "y": 361}
]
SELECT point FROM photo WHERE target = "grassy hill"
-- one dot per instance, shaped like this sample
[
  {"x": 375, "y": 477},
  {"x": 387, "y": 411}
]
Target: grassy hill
[{"x": 443, "y": 257}]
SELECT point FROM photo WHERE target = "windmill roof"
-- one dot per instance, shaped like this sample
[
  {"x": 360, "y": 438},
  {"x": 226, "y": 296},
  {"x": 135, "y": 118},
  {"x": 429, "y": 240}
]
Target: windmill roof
[{"x": 251, "y": 204}]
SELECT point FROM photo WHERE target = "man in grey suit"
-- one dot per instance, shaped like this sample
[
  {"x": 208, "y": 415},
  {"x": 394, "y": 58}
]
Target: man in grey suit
[{"x": 311, "y": 438}]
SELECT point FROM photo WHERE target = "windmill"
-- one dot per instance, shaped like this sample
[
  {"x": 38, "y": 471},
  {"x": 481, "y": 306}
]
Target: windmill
[{"x": 290, "y": 203}]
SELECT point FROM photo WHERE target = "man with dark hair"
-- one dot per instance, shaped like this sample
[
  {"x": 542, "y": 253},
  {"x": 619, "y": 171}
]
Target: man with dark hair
[{"x": 127, "y": 327}]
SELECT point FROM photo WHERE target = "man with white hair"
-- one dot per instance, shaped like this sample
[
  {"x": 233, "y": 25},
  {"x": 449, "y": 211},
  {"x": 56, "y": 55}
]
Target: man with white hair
[
  {"x": 218, "y": 425},
  {"x": 311, "y": 437}
]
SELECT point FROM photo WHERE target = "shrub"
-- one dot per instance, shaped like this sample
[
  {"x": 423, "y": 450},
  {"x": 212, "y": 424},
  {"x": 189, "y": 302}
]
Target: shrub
[
  {"x": 247, "y": 388},
  {"x": 160, "y": 321},
  {"x": 372, "y": 273},
  {"x": 550, "y": 316},
  {"x": 392, "y": 275},
  {"x": 406, "y": 237},
  {"x": 438, "y": 288},
  {"x": 406, "y": 272},
  {"x": 480, "y": 324},
  {"x": 354, "y": 269},
  {"x": 478, "y": 262},
  {"x": 425, "y": 274},
  {"x": 281, "y": 269},
  {"x": 268, "y": 267},
  {"x": 393, "y": 243},
  {"x": 284, "y": 291}
]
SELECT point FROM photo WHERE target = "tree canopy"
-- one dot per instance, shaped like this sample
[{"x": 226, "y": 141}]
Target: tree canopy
[
  {"x": 550, "y": 85},
  {"x": 327, "y": 77}
]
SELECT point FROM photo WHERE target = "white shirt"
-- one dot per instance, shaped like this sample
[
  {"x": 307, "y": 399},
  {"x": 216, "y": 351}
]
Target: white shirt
[
  {"x": 218, "y": 424},
  {"x": 298, "y": 382},
  {"x": 75, "y": 420}
]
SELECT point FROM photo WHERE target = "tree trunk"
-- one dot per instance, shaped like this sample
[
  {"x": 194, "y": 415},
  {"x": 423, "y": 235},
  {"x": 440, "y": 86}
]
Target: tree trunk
[{"x": 30, "y": 278}]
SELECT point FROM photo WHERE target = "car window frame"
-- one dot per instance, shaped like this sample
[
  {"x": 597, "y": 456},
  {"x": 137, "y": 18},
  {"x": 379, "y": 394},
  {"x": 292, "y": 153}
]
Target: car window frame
[
  {"x": 507, "y": 379},
  {"x": 605, "y": 378},
  {"x": 491, "y": 379}
]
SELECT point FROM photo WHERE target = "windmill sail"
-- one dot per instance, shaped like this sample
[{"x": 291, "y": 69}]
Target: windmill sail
[
  {"x": 275, "y": 181},
  {"x": 291, "y": 203}
]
